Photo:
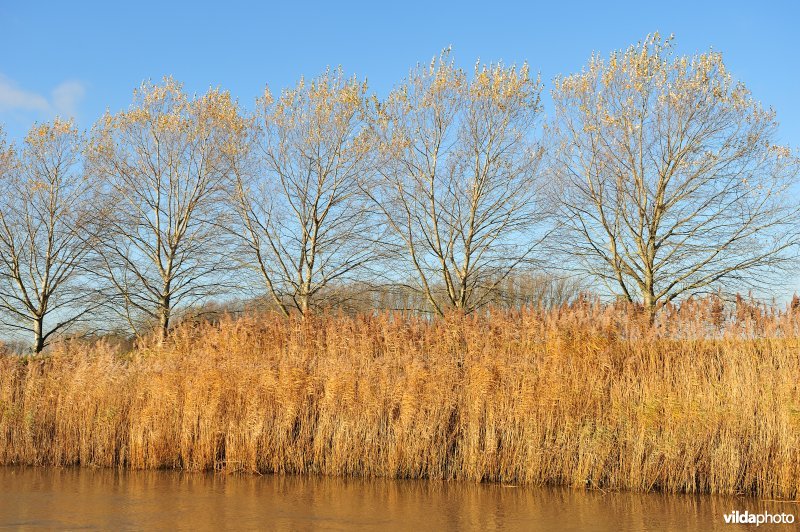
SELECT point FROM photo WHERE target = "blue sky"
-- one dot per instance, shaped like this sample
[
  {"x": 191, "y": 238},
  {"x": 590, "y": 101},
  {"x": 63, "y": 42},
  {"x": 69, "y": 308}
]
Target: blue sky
[{"x": 79, "y": 58}]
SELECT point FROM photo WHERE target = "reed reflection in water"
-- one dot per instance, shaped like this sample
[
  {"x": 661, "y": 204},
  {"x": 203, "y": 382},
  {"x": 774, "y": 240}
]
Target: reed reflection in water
[{"x": 166, "y": 500}]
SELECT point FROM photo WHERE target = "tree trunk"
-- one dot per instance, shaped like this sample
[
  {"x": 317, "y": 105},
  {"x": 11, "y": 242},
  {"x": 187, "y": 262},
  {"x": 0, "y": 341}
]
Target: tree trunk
[
  {"x": 304, "y": 302},
  {"x": 650, "y": 305},
  {"x": 163, "y": 318},
  {"x": 38, "y": 337}
]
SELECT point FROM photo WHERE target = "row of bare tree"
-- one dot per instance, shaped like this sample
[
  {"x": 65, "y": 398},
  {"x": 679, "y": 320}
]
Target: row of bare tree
[{"x": 657, "y": 175}]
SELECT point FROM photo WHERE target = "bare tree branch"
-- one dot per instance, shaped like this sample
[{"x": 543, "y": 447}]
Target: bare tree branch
[
  {"x": 165, "y": 168},
  {"x": 303, "y": 220},
  {"x": 668, "y": 177},
  {"x": 45, "y": 204},
  {"x": 458, "y": 179}
]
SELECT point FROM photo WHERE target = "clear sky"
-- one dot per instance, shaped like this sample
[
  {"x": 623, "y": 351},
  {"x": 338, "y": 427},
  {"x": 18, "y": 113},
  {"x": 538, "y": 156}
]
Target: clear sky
[{"x": 79, "y": 58}]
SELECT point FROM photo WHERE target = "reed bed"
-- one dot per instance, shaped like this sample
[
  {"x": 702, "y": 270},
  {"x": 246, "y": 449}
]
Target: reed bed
[{"x": 587, "y": 396}]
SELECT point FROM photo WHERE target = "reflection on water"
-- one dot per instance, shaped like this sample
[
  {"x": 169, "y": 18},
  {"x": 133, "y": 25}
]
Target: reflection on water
[{"x": 108, "y": 499}]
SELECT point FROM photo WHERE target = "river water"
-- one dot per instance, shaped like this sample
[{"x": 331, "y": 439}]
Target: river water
[{"x": 39, "y": 498}]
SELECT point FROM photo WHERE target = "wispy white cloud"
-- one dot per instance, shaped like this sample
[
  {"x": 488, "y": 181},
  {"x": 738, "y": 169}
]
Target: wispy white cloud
[
  {"x": 67, "y": 96},
  {"x": 12, "y": 98},
  {"x": 63, "y": 99}
]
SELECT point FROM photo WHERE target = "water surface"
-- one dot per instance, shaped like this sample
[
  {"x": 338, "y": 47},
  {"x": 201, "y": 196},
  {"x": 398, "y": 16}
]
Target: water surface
[{"x": 43, "y": 498}]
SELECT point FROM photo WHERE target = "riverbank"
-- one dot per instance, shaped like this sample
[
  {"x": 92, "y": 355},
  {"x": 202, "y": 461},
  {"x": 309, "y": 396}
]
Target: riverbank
[{"x": 586, "y": 397}]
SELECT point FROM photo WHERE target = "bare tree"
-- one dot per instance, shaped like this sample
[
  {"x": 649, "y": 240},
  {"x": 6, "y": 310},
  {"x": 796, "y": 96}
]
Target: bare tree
[
  {"x": 668, "y": 177},
  {"x": 302, "y": 217},
  {"x": 458, "y": 182},
  {"x": 45, "y": 202},
  {"x": 165, "y": 168}
]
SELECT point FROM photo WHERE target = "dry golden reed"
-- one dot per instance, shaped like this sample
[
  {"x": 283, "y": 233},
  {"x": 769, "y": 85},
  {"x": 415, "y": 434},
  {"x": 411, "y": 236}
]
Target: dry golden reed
[{"x": 590, "y": 396}]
